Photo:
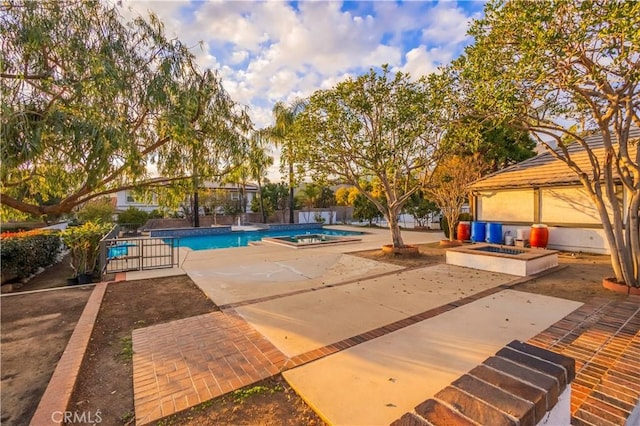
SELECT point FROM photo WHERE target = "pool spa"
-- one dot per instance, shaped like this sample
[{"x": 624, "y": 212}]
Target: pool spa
[
  {"x": 309, "y": 240},
  {"x": 245, "y": 238},
  {"x": 504, "y": 259}
]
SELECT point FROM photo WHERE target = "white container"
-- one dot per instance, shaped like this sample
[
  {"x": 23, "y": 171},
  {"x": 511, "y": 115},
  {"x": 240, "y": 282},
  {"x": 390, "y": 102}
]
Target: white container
[
  {"x": 508, "y": 239},
  {"x": 522, "y": 234}
]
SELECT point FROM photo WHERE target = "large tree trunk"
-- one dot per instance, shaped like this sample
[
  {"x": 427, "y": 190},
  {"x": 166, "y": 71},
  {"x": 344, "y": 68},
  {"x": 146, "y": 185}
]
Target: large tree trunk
[
  {"x": 196, "y": 209},
  {"x": 291, "y": 197},
  {"x": 262, "y": 212},
  {"x": 633, "y": 234},
  {"x": 621, "y": 248},
  {"x": 394, "y": 227}
]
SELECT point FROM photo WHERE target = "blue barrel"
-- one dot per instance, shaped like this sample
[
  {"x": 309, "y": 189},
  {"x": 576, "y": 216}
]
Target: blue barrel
[
  {"x": 494, "y": 233},
  {"x": 477, "y": 232}
]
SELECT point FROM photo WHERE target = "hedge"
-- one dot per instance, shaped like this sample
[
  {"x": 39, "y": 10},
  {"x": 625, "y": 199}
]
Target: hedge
[{"x": 23, "y": 253}]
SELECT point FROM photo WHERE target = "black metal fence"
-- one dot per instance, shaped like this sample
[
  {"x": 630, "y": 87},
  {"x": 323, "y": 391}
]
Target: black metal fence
[{"x": 137, "y": 254}]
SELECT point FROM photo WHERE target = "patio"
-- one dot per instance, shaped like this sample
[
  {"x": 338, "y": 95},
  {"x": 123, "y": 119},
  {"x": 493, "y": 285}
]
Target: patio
[
  {"x": 324, "y": 311},
  {"x": 405, "y": 334}
]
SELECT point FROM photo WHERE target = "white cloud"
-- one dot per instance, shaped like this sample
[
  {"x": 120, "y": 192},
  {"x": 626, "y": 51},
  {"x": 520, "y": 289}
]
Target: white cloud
[
  {"x": 447, "y": 25},
  {"x": 270, "y": 51},
  {"x": 238, "y": 56},
  {"x": 422, "y": 61}
]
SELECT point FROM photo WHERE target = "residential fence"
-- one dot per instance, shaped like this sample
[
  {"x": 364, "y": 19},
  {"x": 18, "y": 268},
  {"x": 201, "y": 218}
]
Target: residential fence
[{"x": 138, "y": 253}]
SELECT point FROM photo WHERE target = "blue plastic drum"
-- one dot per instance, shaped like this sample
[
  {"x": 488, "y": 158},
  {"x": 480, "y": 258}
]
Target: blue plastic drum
[
  {"x": 478, "y": 232},
  {"x": 494, "y": 233}
]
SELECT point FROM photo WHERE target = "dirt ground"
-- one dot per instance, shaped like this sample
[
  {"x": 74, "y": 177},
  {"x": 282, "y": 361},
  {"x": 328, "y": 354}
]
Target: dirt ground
[
  {"x": 270, "y": 402},
  {"x": 105, "y": 379},
  {"x": 579, "y": 279},
  {"x": 429, "y": 254},
  {"x": 35, "y": 331}
]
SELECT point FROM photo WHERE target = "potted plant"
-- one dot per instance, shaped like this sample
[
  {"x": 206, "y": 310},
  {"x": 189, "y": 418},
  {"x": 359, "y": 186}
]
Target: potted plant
[{"x": 84, "y": 243}]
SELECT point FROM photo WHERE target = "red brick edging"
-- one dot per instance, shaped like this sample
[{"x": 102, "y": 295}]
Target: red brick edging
[
  {"x": 56, "y": 397},
  {"x": 611, "y": 284}
]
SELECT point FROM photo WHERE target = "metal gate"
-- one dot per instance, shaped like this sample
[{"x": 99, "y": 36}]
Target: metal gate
[{"x": 137, "y": 254}]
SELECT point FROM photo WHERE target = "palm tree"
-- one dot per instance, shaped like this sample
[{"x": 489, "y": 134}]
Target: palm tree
[
  {"x": 311, "y": 194},
  {"x": 282, "y": 134},
  {"x": 259, "y": 162}
]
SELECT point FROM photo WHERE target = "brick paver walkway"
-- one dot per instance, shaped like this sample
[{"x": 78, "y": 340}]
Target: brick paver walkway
[
  {"x": 603, "y": 336},
  {"x": 182, "y": 363}
]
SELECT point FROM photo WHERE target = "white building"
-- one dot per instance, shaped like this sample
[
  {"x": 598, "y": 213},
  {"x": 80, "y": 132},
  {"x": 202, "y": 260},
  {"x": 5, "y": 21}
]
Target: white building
[{"x": 544, "y": 190}]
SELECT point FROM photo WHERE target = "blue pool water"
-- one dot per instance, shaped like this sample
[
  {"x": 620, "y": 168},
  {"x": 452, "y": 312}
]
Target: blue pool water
[{"x": 243, "y": 238}]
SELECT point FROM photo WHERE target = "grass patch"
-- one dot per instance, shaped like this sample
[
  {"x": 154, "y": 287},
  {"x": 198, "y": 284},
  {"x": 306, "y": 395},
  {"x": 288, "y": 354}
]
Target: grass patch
[
  {"x": 241, "y": 395},
  {"x": 127, "y": 418},
  {"x": 126, "y": 352}
]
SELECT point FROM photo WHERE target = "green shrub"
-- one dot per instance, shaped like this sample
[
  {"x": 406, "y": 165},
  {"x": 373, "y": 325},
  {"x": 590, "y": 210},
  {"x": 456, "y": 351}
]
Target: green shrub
[
  {"x": 155, "y": 214},
  {"x": 22, "y": 253},
  {"x": 101, "y": 210},
  {"x": 133, "y": 216},
  {"x": 465, "y": 217},
  {"x": 84, "y": 243}
]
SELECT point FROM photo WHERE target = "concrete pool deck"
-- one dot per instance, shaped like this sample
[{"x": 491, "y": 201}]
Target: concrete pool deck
[{"x": 234, "y": 275}]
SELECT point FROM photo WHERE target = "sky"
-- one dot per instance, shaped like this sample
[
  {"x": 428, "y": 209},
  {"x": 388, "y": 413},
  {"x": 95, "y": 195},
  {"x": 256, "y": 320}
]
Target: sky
[{"x": 275, "y": 51}]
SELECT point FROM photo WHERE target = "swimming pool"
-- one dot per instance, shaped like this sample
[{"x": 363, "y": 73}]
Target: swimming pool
[{"x": 243, "y": 238}]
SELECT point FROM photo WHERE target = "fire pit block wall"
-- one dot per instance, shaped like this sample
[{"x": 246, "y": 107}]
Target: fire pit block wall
[
  {"x": 503, "y": 259},
  {"x": 521, "y": 385}
]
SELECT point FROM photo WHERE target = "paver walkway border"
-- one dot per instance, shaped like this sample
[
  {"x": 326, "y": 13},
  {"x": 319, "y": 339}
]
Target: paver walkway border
[{"x": 58, "y": 393}]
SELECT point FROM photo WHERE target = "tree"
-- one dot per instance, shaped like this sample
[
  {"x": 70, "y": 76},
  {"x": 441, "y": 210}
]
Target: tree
[
  {"x": 89, "y": 101},
  {"x": 562, "y": 71},
  {"x": 239, "y": 177},
  {"x": 214, "y": 200},
  {"x": 277, "y": 196},
  {"x": 365, "y": 209},
  {"x": 259, "y": 163},
  {"x": 450, "y": 184},
  {"x": 343, "y": 197},
  {"x": 283, "y": 134},
  {"x": 310, "y": 196},
  {"x": 232, "y": 208},
  {"x": 133, "y": 216},
  {"x": 97, "y": 210},
  {"x": 327, "y": 200},
  {"x": 497, "y": 144},
  {"x": 377, "y": 125},
  {"x": 420, "y": 207}
]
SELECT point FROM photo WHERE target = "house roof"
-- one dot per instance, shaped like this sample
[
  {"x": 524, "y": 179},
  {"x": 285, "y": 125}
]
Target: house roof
[{"x": 544, "y": 169}]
